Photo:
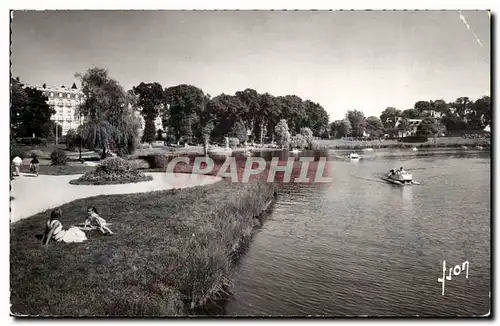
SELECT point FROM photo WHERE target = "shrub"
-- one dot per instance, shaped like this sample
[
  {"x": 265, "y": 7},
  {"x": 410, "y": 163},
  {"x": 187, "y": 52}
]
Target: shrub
[
  {"x": 299, "y": 141},
  {"x": 160, "y": 161},
  {"x": 414, "y": 139},
  {"x": 233, "y": 142},
  {"x": 58, "y": 157}
]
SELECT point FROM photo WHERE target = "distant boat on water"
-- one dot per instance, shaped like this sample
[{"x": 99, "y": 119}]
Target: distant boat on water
[
  {"x": 354, "y": 156},
  {"x": 220, "y": 150}
]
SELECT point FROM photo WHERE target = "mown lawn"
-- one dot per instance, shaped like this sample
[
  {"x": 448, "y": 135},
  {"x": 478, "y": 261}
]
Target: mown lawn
[
  {"x": 59, "y": 169},
  {"x": 172, "y": 251}
]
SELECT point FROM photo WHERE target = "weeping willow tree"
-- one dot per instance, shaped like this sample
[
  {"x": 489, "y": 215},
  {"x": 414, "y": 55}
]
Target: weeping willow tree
[{"x": 109, "y": 120}]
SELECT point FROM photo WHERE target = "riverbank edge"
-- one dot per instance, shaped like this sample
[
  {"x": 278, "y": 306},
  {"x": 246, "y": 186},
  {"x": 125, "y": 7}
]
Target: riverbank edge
[
  {"x": 220, "y": 288},
  {"x": 485, "y": 144},
  {"x": 239, "y": 248}
]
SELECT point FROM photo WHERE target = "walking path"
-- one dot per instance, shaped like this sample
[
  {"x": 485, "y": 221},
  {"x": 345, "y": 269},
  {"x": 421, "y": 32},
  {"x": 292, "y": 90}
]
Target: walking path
[{"x": 33, "y": 195}]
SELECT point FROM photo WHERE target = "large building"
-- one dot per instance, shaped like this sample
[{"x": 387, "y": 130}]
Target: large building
[{"x": 65, "y": 102}]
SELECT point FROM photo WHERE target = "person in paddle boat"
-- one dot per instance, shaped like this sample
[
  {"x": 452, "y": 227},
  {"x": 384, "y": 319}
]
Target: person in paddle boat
[
  {"x": 95, "y": 221},
  {"x": 391, "y": 173},
  {"x": 54, "y": 230},
  {"x": 402, "y": 171}
]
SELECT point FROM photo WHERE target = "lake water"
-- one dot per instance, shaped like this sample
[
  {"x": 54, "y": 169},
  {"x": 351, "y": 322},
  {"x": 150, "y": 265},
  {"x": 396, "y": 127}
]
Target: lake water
[{"x": 360, "y": 246}]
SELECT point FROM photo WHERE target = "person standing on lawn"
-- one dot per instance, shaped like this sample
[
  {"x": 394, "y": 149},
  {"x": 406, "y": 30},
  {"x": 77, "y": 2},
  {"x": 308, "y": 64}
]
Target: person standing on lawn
[
  {"x": 17, "y": 165},
  {"x": 34, "y": 165}
]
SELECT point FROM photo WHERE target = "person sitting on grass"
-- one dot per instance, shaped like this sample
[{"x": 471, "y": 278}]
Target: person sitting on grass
[
  {"x": 34, "y": 165},
  {"x": 54, "y": 230},
  {"x": 95, "y": 221}
]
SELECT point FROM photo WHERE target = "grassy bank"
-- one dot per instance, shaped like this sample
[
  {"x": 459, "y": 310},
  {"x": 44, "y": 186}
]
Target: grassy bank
[
  {"x": 441, "y": 142},
  {"x": 172, "y": 253}
]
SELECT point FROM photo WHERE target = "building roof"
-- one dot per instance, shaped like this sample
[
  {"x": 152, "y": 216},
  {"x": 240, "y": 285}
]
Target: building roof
[{"x": 414, "y": 122}]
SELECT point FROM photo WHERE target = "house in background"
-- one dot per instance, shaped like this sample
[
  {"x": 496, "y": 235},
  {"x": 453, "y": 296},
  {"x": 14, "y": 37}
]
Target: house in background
[
  {"x": 412, "y": 128},
  {"x": 432, "y": 113}
]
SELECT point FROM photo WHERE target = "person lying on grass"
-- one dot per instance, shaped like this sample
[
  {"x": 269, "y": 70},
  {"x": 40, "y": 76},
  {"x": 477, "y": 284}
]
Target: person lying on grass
[
  {"x": 54, "y": 230},
  {"x": 95, "y": 221}
]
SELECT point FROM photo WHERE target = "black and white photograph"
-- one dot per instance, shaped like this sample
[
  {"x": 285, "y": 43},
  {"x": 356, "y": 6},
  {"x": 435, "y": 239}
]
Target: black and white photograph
[{"x": 250, "y": 163}]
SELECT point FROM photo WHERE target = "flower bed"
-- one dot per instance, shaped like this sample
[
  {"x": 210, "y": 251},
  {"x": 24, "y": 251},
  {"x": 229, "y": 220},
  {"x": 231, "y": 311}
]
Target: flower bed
[{"x": 113, "y": 170}]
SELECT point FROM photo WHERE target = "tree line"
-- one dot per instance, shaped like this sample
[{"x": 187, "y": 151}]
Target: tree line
[
  {"x": 187, "y": 113},
  {"x": 439, "y": 115},
  {"x": 190, "y": 115}
]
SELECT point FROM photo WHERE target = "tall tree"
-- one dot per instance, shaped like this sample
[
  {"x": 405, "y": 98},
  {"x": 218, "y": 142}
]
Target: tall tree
[
  {"x": 374, "y": 126},
  {"x": 149, "y": 133},
  {"x": 410, "y": 114},
  {"x": 440, "y": 107},
  {"x": 341, "y": 128},
  {"x": 421, "y": 107},
  {"x": 462, "y": 107},
  {"x": 187, "y": 104},
  {"x": 481, "y": 115},
  {"x": 282, "y": 133},
  {"x": 150, "y": 98},
  {"x": 240, "y": 131},
  {"x": 207, "y": 131},
  {"x": 389, "y": 116},
  {"x": 428, "y": 127},
  {"x": 269, "y": 114},
  {"x": 225, "y": 111},
  {"x": 293, "y": 110},
  {"x": 109, "y": 121},
  {"x": 316, "y": 118},
  {"x": 29, "y": 112},
  {"x": 358, "y": 122},
  {"x": 251, "y": 108},
  {"x": 307, "y": 135}
]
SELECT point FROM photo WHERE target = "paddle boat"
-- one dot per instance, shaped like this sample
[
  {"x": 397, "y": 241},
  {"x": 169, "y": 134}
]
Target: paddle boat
[
  {"x": 369, "y": 149},
  {"x": 414, "y": 149},
  {"x": 479, "y": 147},
  {"x": 354, "y": 156},
  {"x": 463, "y": 147},
  {"x": 295, "y": 151},
  {"x": 400, "y": 177}
]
